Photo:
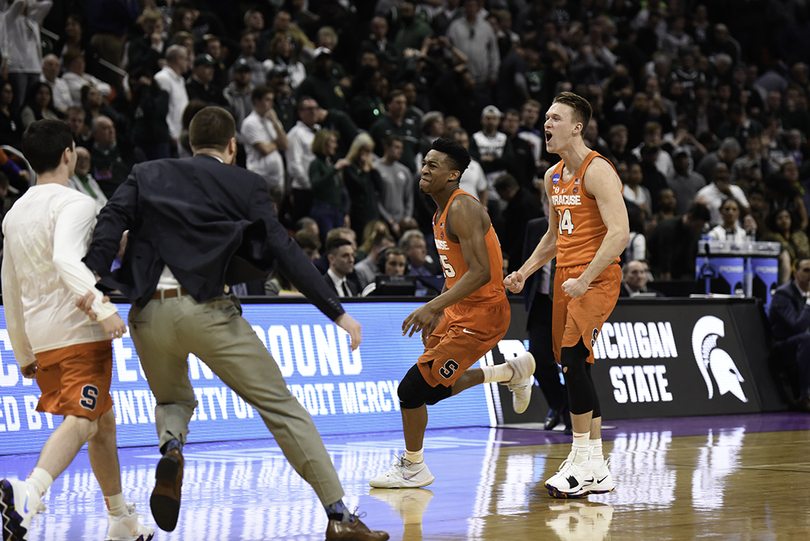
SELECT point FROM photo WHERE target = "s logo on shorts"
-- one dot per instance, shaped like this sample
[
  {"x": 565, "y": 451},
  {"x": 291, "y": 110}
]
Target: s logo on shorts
[
  {"x": 449, "y": 368},
  {"x": 89, "y": 397}
]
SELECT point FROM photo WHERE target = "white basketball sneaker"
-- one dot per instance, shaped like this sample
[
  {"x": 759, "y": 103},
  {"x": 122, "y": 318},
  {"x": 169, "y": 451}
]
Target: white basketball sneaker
[
  {"x": 127, "y": 526},
  {"x": 19, "y": 503},
  {"x": 403, "y": 474},
  {"x": 602, "y": 480},
  {"x": 521, "y": 382},
  {"x": 574, "y": 478}
]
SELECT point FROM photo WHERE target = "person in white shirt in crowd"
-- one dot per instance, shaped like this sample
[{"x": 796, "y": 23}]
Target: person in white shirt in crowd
[
  {"x": 473, "y": 180},
  {"x": 46, "y": 233},
  {"x": 170, "y": 79},
  {"x": 299, "y": 154},
  {"x": 265, "y": 140},
  {"x": 20, "y": 44},
  {"x": 495, "y": 150},
  {"x": 719, "y": 190},
  {"x": 84, "y": 182},
  {"x": 633, "y": 190},
  {"x": 76, "y": 78},
  {"x": 730, "y": 229},
  {"x": 59, "y": 88},
  {"x": 396, "y": 190}
]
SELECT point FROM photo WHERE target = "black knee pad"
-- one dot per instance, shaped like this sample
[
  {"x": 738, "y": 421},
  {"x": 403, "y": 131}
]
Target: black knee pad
[
  {"x": 414, "y": 392},
  {"x": 580, "y": 387},
  {"x": 597, "y": 410}
]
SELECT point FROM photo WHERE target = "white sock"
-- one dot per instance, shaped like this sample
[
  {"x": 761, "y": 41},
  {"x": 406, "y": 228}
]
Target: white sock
[
  {"x": 40, "y": 480},
  {"x": 580, "y": 445},
  {"x": 414, "y": 457},
  {"x": 498, "y": 373},
  {"x": 115, "y": 504},
  {"x": 596, "y": 450}
]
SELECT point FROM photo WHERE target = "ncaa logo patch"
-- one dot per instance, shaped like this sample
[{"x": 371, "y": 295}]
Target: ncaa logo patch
[{"x": 556, "y": 178}]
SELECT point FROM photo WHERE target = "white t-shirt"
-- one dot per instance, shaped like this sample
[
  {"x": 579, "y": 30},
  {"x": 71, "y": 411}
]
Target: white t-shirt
[
  {"x": 473, "y": 181},
  {"x": 47, "y": 233},
  {"x": 256, "y": 129}
]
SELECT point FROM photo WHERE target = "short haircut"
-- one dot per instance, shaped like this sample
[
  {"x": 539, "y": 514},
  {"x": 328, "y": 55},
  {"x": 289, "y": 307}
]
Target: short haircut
[
  {"x": 397, "y": 92},
  {"x": 338, "y": 231},
  {"x": 44, "y": 142},
  {"x": 260, "y": 92},
  {"x": 335, "y": 244},
  {"x": 799, "y": 260},
  {"x": 212, "y": 127},
  {"x": 319, "y": 141},
  {"x": 532, "y": 103},
  {"x": 617, "y": 128},
  {"x": 582, "y": 109},
  {"x": 408, "y": 237},
  {"x": 457, "y": 155},
  {"x": 390, "y": 139},
  {"x": 300, "y": 103},
  {"x": 506, "y": 182},
  {"x": 307, "y": 239},
  {"x": 174, "y": 52},
  {"x": 75, "y": 110}
]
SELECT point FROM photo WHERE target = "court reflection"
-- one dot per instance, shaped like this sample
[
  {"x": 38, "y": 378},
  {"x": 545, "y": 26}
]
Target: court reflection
[{"x": 580, "y": 521}]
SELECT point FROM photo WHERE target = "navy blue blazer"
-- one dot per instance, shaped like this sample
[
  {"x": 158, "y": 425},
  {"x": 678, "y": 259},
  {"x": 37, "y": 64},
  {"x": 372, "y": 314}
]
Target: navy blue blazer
[
  {"x": 211, "y": 223},
  {"x": 789, "y": 313},
  {"x": 535, "y": 229}
]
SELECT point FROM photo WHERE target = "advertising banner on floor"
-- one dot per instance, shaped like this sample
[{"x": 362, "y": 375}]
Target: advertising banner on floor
[{"x": 345, "y": 391}]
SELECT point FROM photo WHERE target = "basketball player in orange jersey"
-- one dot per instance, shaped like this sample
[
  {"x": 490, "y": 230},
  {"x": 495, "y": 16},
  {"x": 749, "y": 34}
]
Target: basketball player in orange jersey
[
  {"x": 587, "y": 231},
  {"x": 463, "y": 323}
]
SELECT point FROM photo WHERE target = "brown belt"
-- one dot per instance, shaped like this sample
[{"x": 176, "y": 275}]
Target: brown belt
[{"x": 169, "y": 293}]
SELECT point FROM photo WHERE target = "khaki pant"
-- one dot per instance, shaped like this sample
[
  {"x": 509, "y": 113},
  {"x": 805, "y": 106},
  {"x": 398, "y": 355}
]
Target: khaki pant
[{"x": 165, "y": 332}]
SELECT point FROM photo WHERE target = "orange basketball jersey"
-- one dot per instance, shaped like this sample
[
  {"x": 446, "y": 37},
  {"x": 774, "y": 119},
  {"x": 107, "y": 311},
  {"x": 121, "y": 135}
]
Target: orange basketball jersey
[
  {"x": 580, "y": 226},
  {"x": 454, "y": 266}
]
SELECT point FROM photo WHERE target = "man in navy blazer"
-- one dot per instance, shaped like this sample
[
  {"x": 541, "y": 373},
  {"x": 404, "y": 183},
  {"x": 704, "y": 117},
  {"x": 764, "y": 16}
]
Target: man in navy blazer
[
  {"x": 195, "y": 224},
  {"x": 789, "y": 316}
]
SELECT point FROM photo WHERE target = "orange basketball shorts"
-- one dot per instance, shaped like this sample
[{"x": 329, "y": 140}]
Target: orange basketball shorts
[
  {"x": 572, "y": 319},
  {"x": 75, "y": 380},
  {"x": 465, "y": 334}
]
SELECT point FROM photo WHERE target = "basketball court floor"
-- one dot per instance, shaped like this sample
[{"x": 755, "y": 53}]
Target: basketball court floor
[{"x": 730, "y": 477}]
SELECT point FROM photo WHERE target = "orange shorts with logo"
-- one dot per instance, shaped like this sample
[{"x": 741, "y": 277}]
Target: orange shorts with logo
[
  {"x": 465, "y": 334},
  {"x": 75, "y": 380},
  {"x": 572, "y": 319}
]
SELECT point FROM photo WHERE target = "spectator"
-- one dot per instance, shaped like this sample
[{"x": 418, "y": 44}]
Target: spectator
[
  {"x": 789, "y": 317},
  {"x": 340, "y": 254},
  {"x": 285, "y": 102},
  {"x": 280, "y": 285},
  {"x": 84, "y": 182},
  {"x": 300, "y": 155},
  {"x": 237, "y": 94},
  {"x": 390, "y": 262},
  {"x": 281, "y": 56},
  {"x": 76, "y": 78},
  {"x": 22, "y": 62},
  {"x": 170, "y": 79},
  {"x": 730, "y": 229},
  {"x": 686, "y": 183},
  {"x": 782, "y": 228},
  {"x": 108, "y": 22},
  {"x": 378, "y": 42},
  {"x": 672, "y": 244},
  {"x": 282, "y": 24},
  {"x": 652, "y": 137},
  {"x": 213, "y": 47},
  {"x": 60, "y": 91},
  {"x": 634, "y": 191},
  {"x": 413, "y": 243},
  {"x": 362, "y": 182},
  {"x": 520, "y": 208},
  {"x": 749, "y": 169},
  {"x": 150, "y": 105},
  {"x": 523, "y": 166},
  {"x": 328, "y": 206},
  {"x": 77, "y": 119},
  {"x": 38, "y": 105},
  {"x": 432, "y": 129},
  {"x": 635, "y": 276},
  {"x": 201, "y": 85},
  {"x": 652, "y": 179},
  {"x": 529, "y": 115},
  {"x": 367, "y": 268},
  {"x": 637, "y": 244},
  {"x": 147, "y": 49},
  {"x": 618, "y": 145},
  {"x": 719, "y": 190},
  {"x": 321, "y": 83},
  {"x": 475, "y": 38},
  {"x": 411, "y": 31},
  {"x": 728, "y": 151},
  {"x": 494, "y": 150},
  {"x": 396, "y": 123},
  {"x": 396, "y": 186},
  {"x": 667, "y": 208},
  {"x": 366, "y": 107},
  {"x": 109, "y": 168},
  {"x": 783, "y": 190},
  {"x": 265, "y": 140},
  {"x": 247, "y": 52}
]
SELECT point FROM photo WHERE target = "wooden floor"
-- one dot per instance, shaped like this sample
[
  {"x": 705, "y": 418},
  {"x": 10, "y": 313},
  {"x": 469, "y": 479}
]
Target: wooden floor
[{"x": 738, "y": 478}]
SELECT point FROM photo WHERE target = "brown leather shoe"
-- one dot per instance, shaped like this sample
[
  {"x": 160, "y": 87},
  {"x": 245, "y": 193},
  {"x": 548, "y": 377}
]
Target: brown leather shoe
[
  {"x": 165, "y": 500},
  {"x": 353, "y": 531}
]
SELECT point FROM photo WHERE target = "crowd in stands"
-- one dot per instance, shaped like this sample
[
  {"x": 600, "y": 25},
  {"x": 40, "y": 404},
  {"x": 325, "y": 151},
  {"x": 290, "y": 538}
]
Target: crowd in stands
[{"x": 701, "y": 106}]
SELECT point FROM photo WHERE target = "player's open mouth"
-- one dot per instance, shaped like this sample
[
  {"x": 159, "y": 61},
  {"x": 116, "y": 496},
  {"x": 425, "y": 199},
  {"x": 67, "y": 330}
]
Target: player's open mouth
[{"x": 548, "y": 137}]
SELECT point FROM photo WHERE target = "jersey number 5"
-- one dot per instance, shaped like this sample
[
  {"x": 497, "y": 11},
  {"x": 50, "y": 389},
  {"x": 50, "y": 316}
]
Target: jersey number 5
[
  {"x": 449, "y": 271},
  {"x": 564, "y": 221}
]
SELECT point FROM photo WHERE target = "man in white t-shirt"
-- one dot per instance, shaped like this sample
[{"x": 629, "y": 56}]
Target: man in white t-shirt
[
  {"x": 265, "y": 138},
  {"x": 299, "y": 154},
  {"x": 47, "y": 232},
  {"x": 719, "y": 190},
  {"x": 473, "y": 180}
]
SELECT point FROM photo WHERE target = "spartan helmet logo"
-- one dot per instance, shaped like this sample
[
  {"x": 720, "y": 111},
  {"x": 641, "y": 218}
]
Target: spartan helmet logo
[{"x": 709, "y": 357}]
